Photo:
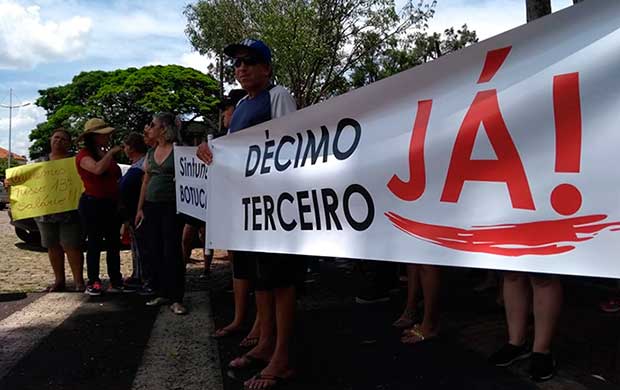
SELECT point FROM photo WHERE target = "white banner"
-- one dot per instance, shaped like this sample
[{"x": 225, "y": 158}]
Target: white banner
[
  {"x": 191, "y": 182},
  {"x": 503, "y": 155}
]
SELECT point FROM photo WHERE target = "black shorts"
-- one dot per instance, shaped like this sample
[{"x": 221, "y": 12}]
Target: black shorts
[
  {"x": 244, "y": 265},
  {"x": 194, "y": 222},
  {"x": 275, "y": 270},
  {"x": 269, "y": 270}
]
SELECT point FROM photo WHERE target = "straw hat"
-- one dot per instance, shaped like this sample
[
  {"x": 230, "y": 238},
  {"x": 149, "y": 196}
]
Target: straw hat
[{"x": 96, "y": 125}]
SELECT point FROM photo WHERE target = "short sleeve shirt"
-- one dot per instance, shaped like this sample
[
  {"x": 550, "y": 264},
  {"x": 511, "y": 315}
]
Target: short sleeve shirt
[
  {"x": 271, "y": 103},
  {"x": 104, "y": 186}
]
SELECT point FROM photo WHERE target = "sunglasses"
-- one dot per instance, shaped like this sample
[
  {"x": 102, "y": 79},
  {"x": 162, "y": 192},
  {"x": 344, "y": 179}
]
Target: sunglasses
[{"x": 249, "y": 61}]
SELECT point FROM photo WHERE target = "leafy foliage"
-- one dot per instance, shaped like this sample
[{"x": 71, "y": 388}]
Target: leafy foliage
[
  {"x": 398, "y": 55},
  {"x": 316, "y": 43},
  {"x": 126, "y": 99}
]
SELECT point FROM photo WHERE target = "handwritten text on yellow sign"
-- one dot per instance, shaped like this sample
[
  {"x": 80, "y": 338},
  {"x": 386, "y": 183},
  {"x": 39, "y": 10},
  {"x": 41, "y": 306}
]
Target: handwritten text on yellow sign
[{"x": 44, "y": 188}]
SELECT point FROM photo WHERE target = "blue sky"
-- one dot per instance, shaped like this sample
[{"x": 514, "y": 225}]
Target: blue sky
[{"x": 46, "y": 42}]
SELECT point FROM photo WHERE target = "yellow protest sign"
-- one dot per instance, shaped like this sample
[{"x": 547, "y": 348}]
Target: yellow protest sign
[{"x": 44, "y": 188}]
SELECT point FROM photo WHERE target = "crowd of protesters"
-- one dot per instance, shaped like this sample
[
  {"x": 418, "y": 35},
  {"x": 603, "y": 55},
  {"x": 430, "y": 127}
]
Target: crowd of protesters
[{"x": 143, "y": 202}]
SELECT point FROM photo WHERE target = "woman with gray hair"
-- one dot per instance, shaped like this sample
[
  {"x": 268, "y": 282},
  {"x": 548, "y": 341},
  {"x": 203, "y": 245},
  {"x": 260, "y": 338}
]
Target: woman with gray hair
[{"x": 157, "y": 215}]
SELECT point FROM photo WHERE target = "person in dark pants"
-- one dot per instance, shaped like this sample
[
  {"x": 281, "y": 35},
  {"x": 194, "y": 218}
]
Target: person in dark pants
[
  {"x": 130, "y": 186},
  {"x": 99, "y": 204},
  {"x": 163, "y": 227}
]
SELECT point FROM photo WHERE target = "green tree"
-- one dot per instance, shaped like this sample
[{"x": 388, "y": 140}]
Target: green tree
[
  {"x": 126, "y": 99},
  {"x": 400, "y": 54},
  {"x": 316, "y": 43}
]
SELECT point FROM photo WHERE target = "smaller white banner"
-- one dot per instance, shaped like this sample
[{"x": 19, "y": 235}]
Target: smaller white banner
[{"x": 191, "y": 182}]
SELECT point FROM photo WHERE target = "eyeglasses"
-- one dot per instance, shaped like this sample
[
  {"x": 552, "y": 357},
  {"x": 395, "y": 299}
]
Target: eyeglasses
[{"x": 249, "y": 61}]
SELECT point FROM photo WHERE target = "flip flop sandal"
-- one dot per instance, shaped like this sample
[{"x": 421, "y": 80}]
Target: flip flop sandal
[
  {"x": 56, "y": 287},
  {"x": 412, "y": 330},
  {"x": 249, "y": 342},
  {"x": 407, "y": 320},
  {"x": 223, "y": 332},
  {"x": 249, "y": 363},
  {"x": 276, "y": 382},
  {"x": 415, "y": 336}
]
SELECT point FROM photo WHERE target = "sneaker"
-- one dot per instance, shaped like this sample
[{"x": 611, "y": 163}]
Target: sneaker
[
  {"x": 509, "y": 354},
  {"x": 158, "y": 301},
  {"x": 610, "y": 306},
  {"x": 542, "y": 367},
  {"x": 94, "y": 289},
  {"x": 178, "y": 309},
  {"x": 146, "y": 291},
  {"x": 120, "y": 287},
  {"x": 134, "y": 283},
  {"x": 367, "y": 300}
]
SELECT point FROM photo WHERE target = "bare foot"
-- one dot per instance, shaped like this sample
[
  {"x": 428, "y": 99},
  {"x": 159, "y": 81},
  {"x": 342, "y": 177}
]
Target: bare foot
[{"x": 228, "y": 330}]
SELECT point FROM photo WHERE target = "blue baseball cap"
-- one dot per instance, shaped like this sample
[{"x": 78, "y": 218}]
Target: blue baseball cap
[{"x": 256, "y": 46}]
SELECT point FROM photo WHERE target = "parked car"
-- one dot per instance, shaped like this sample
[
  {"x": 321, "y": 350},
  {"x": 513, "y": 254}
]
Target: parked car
[{"x": 26, "y": 230}]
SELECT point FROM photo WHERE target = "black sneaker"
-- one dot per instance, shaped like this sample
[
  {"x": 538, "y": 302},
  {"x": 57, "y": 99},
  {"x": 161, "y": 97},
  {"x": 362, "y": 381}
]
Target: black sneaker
[
  {"x": 509, "y": 354},
  {"x": 94, "y": 289},
  {"x": 120, "y": 287},
  {"x": 370, "y": 299},
  {"x": 134, "y": 283},
  {"x": 542, "y": 367},
  {"x": 146, "y": 291}
]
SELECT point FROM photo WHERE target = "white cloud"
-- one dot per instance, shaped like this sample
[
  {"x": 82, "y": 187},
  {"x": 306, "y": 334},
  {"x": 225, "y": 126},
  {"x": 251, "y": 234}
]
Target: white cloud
[
  {"x": 189, "y": 59},
  {"x": 24, "y": 120},
  {"x": 487, "y": 17},
  {"x": 196, "y": 61},
  {"x": 27, "y": 39}
]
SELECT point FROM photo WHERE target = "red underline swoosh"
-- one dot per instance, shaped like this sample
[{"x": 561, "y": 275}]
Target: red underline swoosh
[{"x": 517, "y": 239}]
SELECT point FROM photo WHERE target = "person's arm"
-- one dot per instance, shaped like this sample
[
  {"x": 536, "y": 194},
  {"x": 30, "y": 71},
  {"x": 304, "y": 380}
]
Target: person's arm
[
  {"x": 204, "y": 153},
  {"x": 145, "y": 183},
  {"x": 99, "y": 167}
]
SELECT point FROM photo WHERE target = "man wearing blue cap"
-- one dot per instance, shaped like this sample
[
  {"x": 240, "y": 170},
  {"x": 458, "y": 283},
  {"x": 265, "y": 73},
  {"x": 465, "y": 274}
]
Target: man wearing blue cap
[{"x": 274, "y": 275}]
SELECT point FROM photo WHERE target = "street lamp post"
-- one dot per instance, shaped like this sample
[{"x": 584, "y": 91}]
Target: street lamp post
[{"x": 11, "y": 107}]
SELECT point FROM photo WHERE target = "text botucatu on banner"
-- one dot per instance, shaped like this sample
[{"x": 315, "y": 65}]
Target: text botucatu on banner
[
  {"x": 44, "y": 188},
  {"x": 191, "y": 182},
  {"x": 503, "y": 155}
]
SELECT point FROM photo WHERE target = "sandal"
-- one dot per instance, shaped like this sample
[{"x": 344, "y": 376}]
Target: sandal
[
  {"x": 266, "y": 382},
  {"x": 247, "y": 362},
  {"x": 56, "y": 287},
  {"x": 415, "y": 335},
  {"x": 406, "y": 320},
  {"x": 249, "y": 342},
  {"x": 226, "y": 332},
  {"x": 411, "y": 330}
]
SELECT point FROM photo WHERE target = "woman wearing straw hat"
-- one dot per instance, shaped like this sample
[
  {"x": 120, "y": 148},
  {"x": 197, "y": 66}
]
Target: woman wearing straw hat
[
  {"x": 99, "y": 204},
  {"x": 157, "y": 212}
]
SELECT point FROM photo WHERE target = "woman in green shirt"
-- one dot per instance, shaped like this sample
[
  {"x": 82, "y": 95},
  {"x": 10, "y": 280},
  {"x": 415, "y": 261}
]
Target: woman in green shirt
[{"x": 157, "y": 215}]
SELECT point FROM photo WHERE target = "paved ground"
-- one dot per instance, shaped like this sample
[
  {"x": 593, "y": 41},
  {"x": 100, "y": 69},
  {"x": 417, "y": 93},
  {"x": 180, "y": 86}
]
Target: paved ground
[
  {"x": 71, "y": 341},
  {"x": 332, "y": 353}
]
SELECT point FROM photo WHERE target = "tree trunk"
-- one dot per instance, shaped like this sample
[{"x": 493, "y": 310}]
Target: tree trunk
[{"x": 537, "y": 9}]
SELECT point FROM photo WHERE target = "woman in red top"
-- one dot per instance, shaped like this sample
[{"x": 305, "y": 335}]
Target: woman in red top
[{"x": 99, "y": 203}]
